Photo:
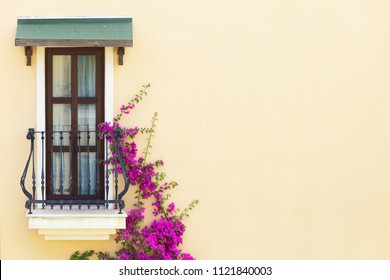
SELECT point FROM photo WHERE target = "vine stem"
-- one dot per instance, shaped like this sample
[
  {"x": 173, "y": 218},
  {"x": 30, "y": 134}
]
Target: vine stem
[
  {"x": 141, "y": 245},
  {"x": 163, "y": 209},
  {"x": 143, "y": 92},
  {"x": 146, "y": 152}
]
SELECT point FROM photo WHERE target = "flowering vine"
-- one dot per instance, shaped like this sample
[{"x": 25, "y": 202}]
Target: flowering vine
[{"x": 161, "y": 239}]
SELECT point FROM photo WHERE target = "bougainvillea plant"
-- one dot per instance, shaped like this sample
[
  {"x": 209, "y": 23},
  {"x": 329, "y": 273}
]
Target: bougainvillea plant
[{"x": 160, "y": 239}]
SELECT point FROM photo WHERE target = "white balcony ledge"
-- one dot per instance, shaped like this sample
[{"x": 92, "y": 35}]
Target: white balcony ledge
[{"x": 76, "y": 224}]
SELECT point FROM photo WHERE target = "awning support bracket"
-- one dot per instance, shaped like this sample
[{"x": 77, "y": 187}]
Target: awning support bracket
[
  {"x": 28, "y": 52},
  {"x": 121, "y": 53}
]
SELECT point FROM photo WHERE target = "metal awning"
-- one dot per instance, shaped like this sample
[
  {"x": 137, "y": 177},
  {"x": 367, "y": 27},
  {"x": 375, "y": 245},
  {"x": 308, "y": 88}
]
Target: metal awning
[{"x": 75, "y": 31}]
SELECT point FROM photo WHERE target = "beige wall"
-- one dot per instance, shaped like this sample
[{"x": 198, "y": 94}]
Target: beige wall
[{"x": 273, "y": 113}]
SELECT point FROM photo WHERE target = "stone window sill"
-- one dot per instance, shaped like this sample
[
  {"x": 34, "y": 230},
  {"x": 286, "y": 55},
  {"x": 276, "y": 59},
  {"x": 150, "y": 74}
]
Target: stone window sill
[{"x": 76, "y": 224}]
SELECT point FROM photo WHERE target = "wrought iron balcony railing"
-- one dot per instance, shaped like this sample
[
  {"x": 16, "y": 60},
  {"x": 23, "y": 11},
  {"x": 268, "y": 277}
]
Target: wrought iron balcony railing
[{"x": 74, "y": 169}]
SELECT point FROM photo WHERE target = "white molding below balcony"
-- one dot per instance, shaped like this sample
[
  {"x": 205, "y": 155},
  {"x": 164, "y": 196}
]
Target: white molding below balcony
[{"x": 76, "y": 224}]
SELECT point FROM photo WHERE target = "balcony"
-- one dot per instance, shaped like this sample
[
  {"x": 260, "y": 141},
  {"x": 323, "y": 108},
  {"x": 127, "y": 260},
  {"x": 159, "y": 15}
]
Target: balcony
[{"x": 75, "y": 183}]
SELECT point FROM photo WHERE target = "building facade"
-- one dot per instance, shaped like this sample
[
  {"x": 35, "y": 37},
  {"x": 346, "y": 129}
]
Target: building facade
[{"x": 274, "y": 114}]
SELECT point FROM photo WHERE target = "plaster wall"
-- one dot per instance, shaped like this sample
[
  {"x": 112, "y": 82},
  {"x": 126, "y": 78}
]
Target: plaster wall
[{"x": 274, "y": 114}]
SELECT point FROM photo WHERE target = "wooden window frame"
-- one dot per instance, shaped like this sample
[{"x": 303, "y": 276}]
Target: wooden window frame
[{"x": 74, "y": 101}]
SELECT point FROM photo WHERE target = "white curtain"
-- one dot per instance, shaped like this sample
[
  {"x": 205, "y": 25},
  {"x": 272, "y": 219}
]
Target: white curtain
[
  {"x": 61, "y": 76},
  {"x": 86, "y": 67}
]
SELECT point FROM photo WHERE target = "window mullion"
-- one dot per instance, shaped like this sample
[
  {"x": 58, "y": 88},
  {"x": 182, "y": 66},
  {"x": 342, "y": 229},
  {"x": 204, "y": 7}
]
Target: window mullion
[{"x": 74, "y": 126}]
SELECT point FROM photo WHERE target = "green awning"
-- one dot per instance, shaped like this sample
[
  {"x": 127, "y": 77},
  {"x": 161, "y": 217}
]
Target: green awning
[{"x": 75, "y": 31}]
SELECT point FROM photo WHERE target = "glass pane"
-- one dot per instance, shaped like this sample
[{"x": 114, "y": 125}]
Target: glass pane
[
  {"x": 61, "y": 76},
  {"x": 61, "y": 122},
  {"x": 87, "y": 122},
  {"x": 87, "y": 173},
  {"x": 86, "y": 67},
  {"x": 61, "y": 173}
]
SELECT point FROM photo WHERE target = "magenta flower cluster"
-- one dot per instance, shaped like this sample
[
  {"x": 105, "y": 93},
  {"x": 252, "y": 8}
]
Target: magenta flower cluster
[
  {"x": 161, "y": 239},
  {"x": 158, "y": 241}
]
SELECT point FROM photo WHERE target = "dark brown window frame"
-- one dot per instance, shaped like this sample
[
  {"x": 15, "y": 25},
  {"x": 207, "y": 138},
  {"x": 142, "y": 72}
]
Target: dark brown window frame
[{"x": 74, "y": 100}]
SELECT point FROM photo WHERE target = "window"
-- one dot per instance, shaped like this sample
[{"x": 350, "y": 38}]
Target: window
[
  {"x": 76, "y": 217},
  {"x": 74, "y": 106},
  {"x": 69, "y": 195}
]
